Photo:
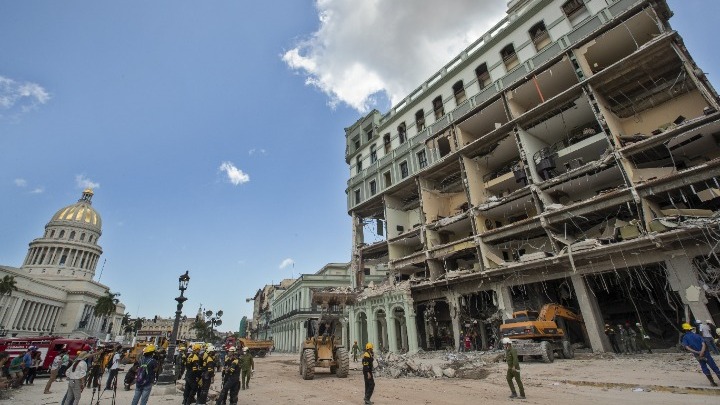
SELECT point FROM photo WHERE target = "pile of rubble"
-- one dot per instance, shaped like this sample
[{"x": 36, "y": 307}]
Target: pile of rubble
[{"x": 447, "y": 364}]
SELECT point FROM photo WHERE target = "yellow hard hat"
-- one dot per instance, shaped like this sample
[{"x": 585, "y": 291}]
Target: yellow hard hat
[
  {"x": 196, "y": 347},
  {"x": 149, "y": 349},
  {"x": 686, "y": 326},
  {"x": 368, "y": 346}
]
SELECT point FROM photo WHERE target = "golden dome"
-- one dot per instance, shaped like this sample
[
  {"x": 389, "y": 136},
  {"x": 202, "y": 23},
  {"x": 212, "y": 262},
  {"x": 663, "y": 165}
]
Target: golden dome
[{"x": 82, "y": 212}]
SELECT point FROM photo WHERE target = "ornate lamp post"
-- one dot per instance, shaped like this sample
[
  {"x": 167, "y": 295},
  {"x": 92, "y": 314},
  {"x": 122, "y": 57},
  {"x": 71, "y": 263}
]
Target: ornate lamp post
[
  {"x": 168, "y": 372},
  {"x": 212, "y": 321}
]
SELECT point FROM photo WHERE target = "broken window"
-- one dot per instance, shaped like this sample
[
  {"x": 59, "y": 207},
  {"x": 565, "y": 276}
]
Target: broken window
[
  {"x": 443, "y": 144},
  {"x": 373, "y": 187},
  {"x": 387, "y": 178},
  {"x": 420, "y": 120},
  {"x": 404, "y": 169},
  {"x": 539, "y": 36},
  {"x": 386, "y": 143},
  {"x": 438, "y": 107},
  {"x": 402, "y": 132},
  {"x": 509, "y": 57},
  {"x": 459, "y": 92},
  {"x": 422, "y": 159},
  {"x": 483, "y": 76},
  {"x": 574, "y": 10},
  {"x": 373, "y": 154},
  {"x": 358, "y": 163},
  {"x": 357, "y": 196}
]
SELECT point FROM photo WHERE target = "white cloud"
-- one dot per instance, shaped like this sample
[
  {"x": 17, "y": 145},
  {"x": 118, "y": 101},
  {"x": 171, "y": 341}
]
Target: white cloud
[
  {"x": 286, "y": 263},
  {"x": 38, "y": 190},
  {"x": 234, "y": 175},
  {"x": 83, "y": 182},
  {"x": 21, "y": 182},
  {"x": 20, "y": 96},
  {"x": 257, "y": 152},
  {"x": 366, "y": 47}
]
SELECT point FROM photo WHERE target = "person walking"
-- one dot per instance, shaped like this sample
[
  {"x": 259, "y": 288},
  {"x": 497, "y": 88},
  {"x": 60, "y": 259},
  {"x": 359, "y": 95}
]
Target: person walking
[
  {"x": 35, "y": 362},
  {"x": 27, "y": 359},
  {"x": 612, "y": 337},
  {"x": 632, "y": 338},
  {"x": 247, "y": 367},
  {"x": 695, "y": 344},
  {"x": 511, "y": 358},
  {"x": 114, "y": 368},
  {"x": 643, "y": 338},
  {"x": 706, "y": 333},
  {"x": 192, "y": 375},
  {"x": 76, "y": 379},
  {"x": 231, "y": 379},
  {"x": 355, "y": 350},
  {"x": 64, "y": 364},
  {"x": 367, "y": 364},
  {"x": 54, "y": 370},
  {"x": 145, "y": 376}
]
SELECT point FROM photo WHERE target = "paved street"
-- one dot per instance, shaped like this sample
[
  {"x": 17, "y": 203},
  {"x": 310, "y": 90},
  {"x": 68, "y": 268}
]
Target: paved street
[{"x": 663, "y": 378}]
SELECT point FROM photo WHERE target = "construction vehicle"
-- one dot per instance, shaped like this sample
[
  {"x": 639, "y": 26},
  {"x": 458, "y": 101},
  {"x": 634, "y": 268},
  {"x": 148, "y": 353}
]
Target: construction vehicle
[
  {"x": 257, "y": 348},
  {"x": 323, "y": 346},
  {"x": 543, "y": 333}
]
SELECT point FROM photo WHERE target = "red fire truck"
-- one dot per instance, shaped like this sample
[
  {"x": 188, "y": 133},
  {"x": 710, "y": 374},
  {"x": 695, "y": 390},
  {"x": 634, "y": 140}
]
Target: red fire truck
[{"x": 49, "y": 346}]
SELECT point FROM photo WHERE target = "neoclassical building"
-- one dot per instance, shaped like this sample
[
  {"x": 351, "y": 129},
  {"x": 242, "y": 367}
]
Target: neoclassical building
[{"x": 56, "y": 291}]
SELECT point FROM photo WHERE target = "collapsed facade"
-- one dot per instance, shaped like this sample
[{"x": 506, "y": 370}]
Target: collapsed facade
[{"x": 569, "y": 155}]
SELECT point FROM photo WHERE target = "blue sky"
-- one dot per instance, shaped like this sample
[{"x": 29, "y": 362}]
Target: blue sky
[{"x": 213, "y": 131}]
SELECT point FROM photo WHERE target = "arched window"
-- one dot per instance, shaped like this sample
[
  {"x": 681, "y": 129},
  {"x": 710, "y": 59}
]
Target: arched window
[
  {"x": 386, "y": 143},
  {"x": 509, "y": 56},
  {"x": 72, "y": 235},
  {"x": 62, "y": 234},
  {"x": 438, "y": 108},
  {"x": 539, "y": 35},
  {"x": 82, "y": 236},
  {"x": 483, "y": 76},
  {"x": 459, "y": 92},
  {"x": 420, "y": 120},
  {"x": 402, "y": 132}
]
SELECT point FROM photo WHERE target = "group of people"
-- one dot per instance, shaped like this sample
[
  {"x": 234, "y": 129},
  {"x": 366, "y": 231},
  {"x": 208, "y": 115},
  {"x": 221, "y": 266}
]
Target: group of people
[
  {"x": 198, "y": 364},
  {"x": 628, "y": 339},
  {"x": 21, "y": 370}
]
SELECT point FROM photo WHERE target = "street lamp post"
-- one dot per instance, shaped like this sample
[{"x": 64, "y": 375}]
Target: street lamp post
[
  {"x": 212, "y": 321},
  {"x": 168, "y": 372}
]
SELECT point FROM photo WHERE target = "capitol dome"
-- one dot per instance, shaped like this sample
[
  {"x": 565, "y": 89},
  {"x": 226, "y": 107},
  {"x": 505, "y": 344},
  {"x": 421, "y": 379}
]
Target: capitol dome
[
  {"x": 81, "y": 213},
  {"x": 69, "y": 247}
]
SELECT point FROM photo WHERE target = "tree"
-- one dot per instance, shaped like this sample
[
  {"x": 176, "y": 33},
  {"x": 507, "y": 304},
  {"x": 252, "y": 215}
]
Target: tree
[
  {"x": 202, "y": 330},
  {"x": 7, "y": 286},
  {"x": 107, "y": 304}
]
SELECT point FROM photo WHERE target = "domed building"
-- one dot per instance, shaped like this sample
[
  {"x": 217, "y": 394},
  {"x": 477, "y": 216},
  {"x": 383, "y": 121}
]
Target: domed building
[{"x": 57, "y": 292}]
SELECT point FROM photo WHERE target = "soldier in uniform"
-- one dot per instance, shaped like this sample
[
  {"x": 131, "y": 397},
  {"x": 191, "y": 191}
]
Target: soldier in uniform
[
  {"x": 231, "y": 379},
  {"x": 247, "y": 365},
  {"x": 192, "y": 377}
]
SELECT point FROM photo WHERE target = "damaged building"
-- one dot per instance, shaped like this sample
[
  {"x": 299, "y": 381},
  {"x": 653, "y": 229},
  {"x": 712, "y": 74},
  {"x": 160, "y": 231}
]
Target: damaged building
[{"x": 570, "y": 155}]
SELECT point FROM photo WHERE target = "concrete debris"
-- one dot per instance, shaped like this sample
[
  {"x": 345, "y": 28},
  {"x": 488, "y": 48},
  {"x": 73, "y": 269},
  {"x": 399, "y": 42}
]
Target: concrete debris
[{"x": 438, "y": 364}]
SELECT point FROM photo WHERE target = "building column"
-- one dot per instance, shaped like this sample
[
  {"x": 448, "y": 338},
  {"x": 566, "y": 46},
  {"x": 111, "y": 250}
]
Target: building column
[
  {"x": 411, "y": 327},
  {"x": 453, "y": 302},
  {"x": 504, "y": 301},
  {"x": 26, "y": 314},
  {"x": 483, "y": 335},
  {"x": 403, "y": 333},
  {"x": 590, "y": 310},
  {"x": 683, "y": 279},
  {"x": 391, "y": 331},
  {"x": 16, "y": 313},
  {"x": 41, "y": 319},
  {"x": 371, "y": 321}
]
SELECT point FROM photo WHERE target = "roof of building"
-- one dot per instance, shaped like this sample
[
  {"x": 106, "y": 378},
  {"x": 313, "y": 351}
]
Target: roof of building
[{"x": 81, "y": 212}]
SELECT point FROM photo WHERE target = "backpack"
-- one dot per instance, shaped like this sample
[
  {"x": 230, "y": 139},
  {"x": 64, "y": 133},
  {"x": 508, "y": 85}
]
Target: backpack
[{"x": 142, "y": 377}]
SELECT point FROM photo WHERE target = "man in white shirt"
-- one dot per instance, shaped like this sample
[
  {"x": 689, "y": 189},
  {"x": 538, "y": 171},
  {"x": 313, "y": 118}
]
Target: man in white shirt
[
  {"x": 54, "y": 370},
  {"x": 706, "y": 334},
  {"x": 76, "y": 379},
  {"x": 114, "y": 368}
]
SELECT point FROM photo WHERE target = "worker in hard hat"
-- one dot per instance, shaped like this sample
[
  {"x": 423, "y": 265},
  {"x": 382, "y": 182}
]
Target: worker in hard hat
[
  {"x": 180, "y": 358},
  {"x": 145, "y": 376},
  {"x": 247, "y": 366},
  {"x": 207, "y": 373},
  {"x": 231, "y": 378},
  {"x": 367, "y": 362},
  {"x": 511, "y": 358},
  {"x": 193, "y": 373},
  {"x": 695, "y": 344},
  {"x": 643, "y": 338}
]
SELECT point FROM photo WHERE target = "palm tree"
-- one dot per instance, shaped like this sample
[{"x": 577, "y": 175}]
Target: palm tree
[
  {"x": 7, "y": 286},
  {"x": 106, "y": 305}
]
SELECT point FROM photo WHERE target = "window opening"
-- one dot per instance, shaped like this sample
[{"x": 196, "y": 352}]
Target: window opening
[
  {"x": 388, "y": 179},
  {"x": 72, "y": 235},
  {"x": 443, "y": 146},
  {"x": 509, "y": 56},
  {"x": 459, "y": 92},
  {"x": 573, "y": 8},
  {"x": 386, "y": 143},
  {"x": 422, "y": 159},
  {"x": 404, "y": 169},
  {"x": 373, "y": 154},
  {"x": 420, "y": 120},
  {"x": 369, "y": 134},
  {"x": 358, "y": 163},
  {"x": 402, "y": 132},
  {"x": 483, "y": 76},
  {"x": 357, "y": 196},
  {"x": 438, "y": 107},
  {"x": 539, "y": 35},
  {"x": 373, "y": 187}
]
